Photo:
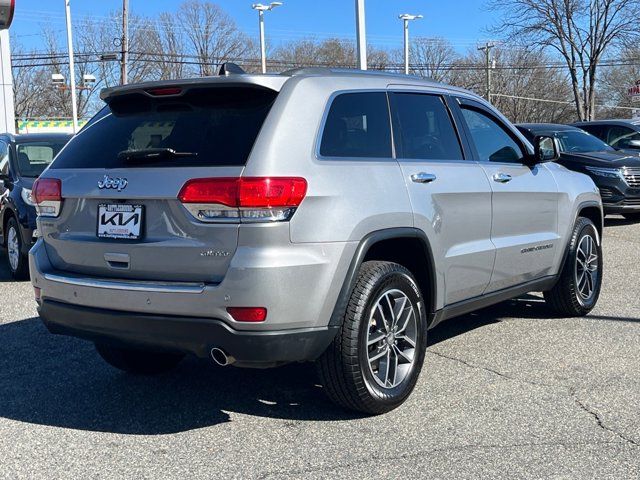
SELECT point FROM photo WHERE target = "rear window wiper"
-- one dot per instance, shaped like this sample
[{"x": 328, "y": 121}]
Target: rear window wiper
[{"x": 152, "y": 154}]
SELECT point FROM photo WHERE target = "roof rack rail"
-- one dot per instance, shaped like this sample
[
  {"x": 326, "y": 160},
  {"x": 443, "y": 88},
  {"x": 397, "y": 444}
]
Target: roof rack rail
[{"x": 229, "y": 68}]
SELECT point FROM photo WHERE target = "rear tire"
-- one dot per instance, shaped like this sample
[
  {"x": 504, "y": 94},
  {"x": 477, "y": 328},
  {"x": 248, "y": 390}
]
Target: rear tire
[
  {"x": 138, "y": 362},
  {"x": 17, "y": 262},
  {"x": 375, "y": 360},
  {"x": 578, "y": 287}
]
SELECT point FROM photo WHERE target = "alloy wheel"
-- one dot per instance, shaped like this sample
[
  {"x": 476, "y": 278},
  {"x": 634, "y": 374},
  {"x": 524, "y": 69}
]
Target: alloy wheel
[
  {"x": 586, "y": 271},
  {"x": 13, "y": 248},
  {"x": 391, "y": 338}
]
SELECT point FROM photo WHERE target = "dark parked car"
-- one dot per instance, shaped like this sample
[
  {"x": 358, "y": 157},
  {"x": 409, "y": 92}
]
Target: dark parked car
[
  {"x": 620, "y": 134},
  {"x": 616, "y": 173},
  {"x": 22, "y": 159}
]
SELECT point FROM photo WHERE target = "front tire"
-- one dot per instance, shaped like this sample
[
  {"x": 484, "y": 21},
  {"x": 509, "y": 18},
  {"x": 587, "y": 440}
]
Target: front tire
[
  {"x": 578, "y": 287},
  {"x": 138, "y": 362},
  {"x": 375, "y": 360},
  {"x": 18, "y": 262}
]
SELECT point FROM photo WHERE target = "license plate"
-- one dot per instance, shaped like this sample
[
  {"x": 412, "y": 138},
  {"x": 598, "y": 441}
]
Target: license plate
[{"x": 120, "y": 221}]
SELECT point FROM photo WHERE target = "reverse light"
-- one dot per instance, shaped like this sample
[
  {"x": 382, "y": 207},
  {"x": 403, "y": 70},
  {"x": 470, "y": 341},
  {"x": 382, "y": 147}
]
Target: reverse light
[
  {"x": 47, "y": 196},
  {"x": 248, "y": 314},
  {"x": 246, "y": 199}
]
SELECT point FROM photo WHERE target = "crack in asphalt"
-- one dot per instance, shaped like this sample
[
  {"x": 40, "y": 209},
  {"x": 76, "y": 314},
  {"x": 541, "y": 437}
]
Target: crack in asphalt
[
  {"x": 572, "y": 392},
  {"x": 407, "y": 456},
  {"x": 600, "y": 422}
]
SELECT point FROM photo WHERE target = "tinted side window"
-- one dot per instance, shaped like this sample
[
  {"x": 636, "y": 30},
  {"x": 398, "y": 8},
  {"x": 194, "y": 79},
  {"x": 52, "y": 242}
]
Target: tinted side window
[
  {"x": 357, "y": 126},
  {"x": 596, "y": 130},
  {"x": 620, "y": 137},
  {"x": 423, "y": 128},
  {"x": 492, "y": 141}
]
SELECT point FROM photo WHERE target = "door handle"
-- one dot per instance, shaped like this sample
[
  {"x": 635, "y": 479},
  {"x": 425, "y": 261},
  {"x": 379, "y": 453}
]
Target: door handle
[
  {"x": 423, "y": 177},
  {"x": 502, "y": 177}
]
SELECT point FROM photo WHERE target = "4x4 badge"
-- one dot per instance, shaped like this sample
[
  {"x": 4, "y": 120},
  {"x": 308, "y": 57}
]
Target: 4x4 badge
[{"x": 115, "y": 183}]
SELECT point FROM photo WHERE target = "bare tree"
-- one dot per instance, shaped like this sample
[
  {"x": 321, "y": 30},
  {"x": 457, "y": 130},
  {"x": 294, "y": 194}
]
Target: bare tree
[
  {"x": 212, "y": 35},
  {"x": 332, "y": 52},
  {"x": 615, "y": 84},
  {"x": 579, "y": 30},
  {"x": 525, "y": 88},
  {"x": 431, "y": 57}
]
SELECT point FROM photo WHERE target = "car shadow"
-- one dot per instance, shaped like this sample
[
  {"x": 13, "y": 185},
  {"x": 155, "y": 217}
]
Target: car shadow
[
  {"x": 618, "y": 222},
  {"x": 61, "y": 381}
]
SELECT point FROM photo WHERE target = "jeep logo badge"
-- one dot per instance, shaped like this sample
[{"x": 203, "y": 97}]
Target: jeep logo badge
[{"x": 115, "y": 183}]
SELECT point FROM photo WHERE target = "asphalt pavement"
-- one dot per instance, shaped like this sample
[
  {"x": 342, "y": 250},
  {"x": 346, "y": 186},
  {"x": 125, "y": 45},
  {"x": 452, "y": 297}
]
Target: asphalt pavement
[{"x": 506, "y": 392}]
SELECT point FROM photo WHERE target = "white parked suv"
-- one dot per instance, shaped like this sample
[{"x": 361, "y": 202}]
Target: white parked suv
[{"x": 317, "y": 215}]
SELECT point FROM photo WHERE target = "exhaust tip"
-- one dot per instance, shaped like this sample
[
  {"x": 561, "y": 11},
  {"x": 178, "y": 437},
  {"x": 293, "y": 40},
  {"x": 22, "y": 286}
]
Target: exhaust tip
[{"x": 220, "y": 357}]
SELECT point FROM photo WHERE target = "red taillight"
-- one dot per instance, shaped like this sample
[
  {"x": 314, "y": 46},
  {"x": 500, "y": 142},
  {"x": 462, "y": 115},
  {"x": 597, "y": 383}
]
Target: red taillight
[
  {"x": 220, "y": 191},
  {"x": 268, "y": 192},
  {"x": 47, "y": 195},
  {"x": 252, "y": 199},
  {"x": 261, "y": 192},
  {"x": 46, "y": 189},
  {"x": 162, "y": 91},
  {"x": 248, "y": 314}
]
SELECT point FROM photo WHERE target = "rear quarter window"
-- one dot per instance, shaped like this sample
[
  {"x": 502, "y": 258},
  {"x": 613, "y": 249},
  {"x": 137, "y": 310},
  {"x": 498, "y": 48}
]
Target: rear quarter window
[
  {"x": 217, "y": 126},
  {"x": 357, "y": 126}
]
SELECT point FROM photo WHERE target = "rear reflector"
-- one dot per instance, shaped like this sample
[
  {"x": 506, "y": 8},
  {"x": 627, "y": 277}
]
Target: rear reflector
[
  {"x": 248, "y": 314},
  {"x": 47, "y": 195},
  {"x": 252, "y": 199}
]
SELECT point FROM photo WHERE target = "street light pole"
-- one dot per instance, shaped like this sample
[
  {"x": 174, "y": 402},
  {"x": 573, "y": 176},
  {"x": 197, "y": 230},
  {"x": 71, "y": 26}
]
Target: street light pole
[
  {"x": 406, "y": 17},
  {"x": 263, "y": 48},
  {"x": 72, "y": 73},
  {"x": 361, "y": 35},
  {"x": 125, "y": 42}
]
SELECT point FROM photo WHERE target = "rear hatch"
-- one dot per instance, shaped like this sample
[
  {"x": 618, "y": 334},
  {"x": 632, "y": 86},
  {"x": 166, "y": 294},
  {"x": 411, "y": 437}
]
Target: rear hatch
[{"x": 121, "y": 177}]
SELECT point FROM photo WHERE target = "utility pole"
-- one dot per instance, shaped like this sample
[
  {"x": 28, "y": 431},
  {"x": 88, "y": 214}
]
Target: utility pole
[
  {"x": 125, "y": 42},
  {"x": 406, "y": 17},
  {"x": 361, "y": 34},
  {"x": 487, "y": 51},
  {"x": 72, "y": 72}
]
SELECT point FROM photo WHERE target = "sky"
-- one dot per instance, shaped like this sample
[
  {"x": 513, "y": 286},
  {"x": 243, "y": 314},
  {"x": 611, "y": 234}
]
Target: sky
[{"x": 464, "y": 22}]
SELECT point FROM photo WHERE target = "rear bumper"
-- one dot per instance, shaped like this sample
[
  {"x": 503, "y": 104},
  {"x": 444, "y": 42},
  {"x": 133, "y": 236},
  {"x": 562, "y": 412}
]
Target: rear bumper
[{"x": 186, "y": 334}]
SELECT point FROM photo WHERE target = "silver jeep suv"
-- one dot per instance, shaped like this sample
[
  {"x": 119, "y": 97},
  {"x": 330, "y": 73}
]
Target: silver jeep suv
[{"x": 317, "y": 215}]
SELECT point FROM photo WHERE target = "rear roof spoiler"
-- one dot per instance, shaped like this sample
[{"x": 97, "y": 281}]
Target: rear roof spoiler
[{"x": 228, "y": 75}]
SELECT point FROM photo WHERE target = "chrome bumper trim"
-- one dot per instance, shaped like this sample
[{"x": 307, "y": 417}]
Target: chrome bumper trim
[{"x": 129, "y": 285}]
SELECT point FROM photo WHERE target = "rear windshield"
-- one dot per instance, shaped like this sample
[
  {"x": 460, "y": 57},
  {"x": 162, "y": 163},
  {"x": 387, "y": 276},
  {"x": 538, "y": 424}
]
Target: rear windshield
[
  {"x": 203, "y": 127},
  {"x": 34, "y": 157}
]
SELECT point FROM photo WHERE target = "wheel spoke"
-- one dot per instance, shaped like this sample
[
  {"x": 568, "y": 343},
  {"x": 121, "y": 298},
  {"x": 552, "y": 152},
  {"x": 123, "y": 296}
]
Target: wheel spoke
[
  {"x": 408, "y": 317},
  {"x": 375, "y": 337},
  {"x": 402, "y": 354},
  {"x": 406, "y": 339},
  {"x": 398, "y": 311},
  {"x": 385, "y": 323},
  {"x": 378, "y": 355},
  {"x": 392, "y": 368}
]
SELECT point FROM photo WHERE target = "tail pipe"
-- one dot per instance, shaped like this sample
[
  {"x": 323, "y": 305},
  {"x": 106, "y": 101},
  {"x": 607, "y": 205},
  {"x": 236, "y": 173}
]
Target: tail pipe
[{"x": 221, "y": 357}]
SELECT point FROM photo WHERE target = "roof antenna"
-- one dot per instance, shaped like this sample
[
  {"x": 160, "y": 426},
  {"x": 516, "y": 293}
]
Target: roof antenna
[{"x": 229, "y": 68}]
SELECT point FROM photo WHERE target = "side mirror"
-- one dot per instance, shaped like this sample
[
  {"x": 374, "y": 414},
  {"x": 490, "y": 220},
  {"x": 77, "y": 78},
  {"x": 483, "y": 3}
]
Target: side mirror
[{"x": 546, "y": 149}]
